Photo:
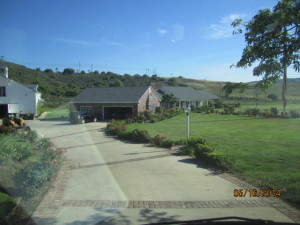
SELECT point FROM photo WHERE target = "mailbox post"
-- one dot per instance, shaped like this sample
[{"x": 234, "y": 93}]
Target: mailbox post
[{"x": 187, "y": 111}]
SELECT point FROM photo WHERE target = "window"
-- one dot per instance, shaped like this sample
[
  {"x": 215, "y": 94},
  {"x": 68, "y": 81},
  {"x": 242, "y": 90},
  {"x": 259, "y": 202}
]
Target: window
[
  {"x": 2, "y": 92},
  {"x": 86, "y": 109}
]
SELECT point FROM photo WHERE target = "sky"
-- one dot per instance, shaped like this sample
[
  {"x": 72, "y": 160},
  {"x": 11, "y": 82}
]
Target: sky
[{"x": 171, "y": 38}]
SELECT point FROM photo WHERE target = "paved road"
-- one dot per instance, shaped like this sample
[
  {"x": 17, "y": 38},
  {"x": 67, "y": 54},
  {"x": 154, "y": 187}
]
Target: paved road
[{"x": 108, "y": 181}]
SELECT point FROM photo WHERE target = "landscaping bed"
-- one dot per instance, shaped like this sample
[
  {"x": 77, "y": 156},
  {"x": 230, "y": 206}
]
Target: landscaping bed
[{"x": 27, "y": 164}]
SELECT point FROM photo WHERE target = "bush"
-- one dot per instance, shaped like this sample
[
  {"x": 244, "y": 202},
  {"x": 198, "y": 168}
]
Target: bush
[
  {"x": 219, "y": 160},
  {"x": 187, "y": 150},
  {"x": 15, "y": 149},
  {"x": 7, "y": 130},
  {"x": 201, "y": 150},
  {"x": 27, "y": 135},
  {"x": 125, "y": 134},
  {"x": 252, "y": 112},
  {"x": 31, "y": 178},
  {"x": 141, "y": 136},
  {"x": 7, "y": 204},
  {"x": 274, "y": 111},
  {"x": 167, "y": 144},
  {"x": 157, "y": 140},
  {"x": 294, "y": 114},
  {"x": 194, "y": 141},
  {"x": 114, "y": 127}
]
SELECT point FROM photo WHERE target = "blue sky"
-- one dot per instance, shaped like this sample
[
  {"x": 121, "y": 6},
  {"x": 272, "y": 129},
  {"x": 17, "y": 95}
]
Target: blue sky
[{"x": 189, "y": 38}]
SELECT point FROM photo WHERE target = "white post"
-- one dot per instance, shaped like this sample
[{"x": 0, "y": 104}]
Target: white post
[
  {"x": 187, "y": 111},
  {"x": 188, "y": 125}
]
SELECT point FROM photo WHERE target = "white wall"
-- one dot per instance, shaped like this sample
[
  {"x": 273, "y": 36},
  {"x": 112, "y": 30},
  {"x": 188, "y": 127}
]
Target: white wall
[{"x": 19, "y": 97}]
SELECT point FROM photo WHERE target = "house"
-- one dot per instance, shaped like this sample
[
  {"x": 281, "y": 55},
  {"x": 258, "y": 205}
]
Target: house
[
  {"x": 15, "y": 97},
  {"x": 115, "y": 102},
  {"x": 187, "y": 96}
]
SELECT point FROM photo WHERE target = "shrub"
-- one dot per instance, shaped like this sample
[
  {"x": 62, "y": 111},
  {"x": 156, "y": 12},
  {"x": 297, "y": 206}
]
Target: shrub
[
  {"x": 114, "y": 127},
  {"x": 201, "y": 150},
  {"x": 17, "y": 150},
  {"x": 194, "y": 141},
  {"x": 187, "y": 150},
  {"x": 159, "y": 109},
  {"x": 274, "y": 111},
  {"x": 273, "y": 97},
  {"x": 7, "y": 130},
  {"x": 180, "y": 142},
  {"x": 141, "y": 136},
  {"x": 125, "y": 134},
  {"x": 157, "y": 140},
  {"x": 167, "y": 144},
  {"x": 31, "y": 178},
  {"x": 252, "y": 112},
  {"x": 7, "y": 204},
  {"x": 294, "y": 114},
  {"x": 27, "y": 135},
  {"x": 219, "y": 160}
]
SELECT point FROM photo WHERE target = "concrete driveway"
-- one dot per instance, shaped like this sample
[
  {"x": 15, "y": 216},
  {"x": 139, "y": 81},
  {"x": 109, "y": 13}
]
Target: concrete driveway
[{"x": 108, "y": 181}]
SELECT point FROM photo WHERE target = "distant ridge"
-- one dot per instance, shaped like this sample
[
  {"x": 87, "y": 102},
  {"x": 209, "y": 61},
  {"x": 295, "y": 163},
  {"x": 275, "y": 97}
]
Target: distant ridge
[{"x": 290, "y": 80}]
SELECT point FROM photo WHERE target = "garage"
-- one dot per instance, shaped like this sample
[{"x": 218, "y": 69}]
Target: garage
[
  {"x": 3, "y": 110},
  {"x": 118, "y": 113}
]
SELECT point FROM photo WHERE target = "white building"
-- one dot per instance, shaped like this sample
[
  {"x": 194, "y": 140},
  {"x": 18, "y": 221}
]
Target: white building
[{"x": 15, "y": 97}]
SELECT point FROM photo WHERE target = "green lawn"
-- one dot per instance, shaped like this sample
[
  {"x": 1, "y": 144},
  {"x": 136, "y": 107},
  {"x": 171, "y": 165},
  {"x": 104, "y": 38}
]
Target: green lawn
[
  {"x": 264, "y": 105},
  {"x": 56, "y": 113},
  {"x": 265, "y": 152}
]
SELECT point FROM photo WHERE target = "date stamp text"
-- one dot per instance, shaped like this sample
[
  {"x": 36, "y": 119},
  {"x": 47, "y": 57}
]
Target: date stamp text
[{"x": 256, "y": 193}]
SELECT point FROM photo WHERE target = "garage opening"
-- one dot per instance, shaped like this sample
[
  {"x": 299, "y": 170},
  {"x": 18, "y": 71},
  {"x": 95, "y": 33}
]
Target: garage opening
[
  {"x": 117, "y": 113},
  {"x": 3, "y": 110}
]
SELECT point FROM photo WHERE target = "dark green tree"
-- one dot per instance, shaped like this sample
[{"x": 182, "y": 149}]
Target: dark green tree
[
  {"x": 68, "y": 71},
  {"x": 272, "y": 39},
  {"x": 168, "y": 100},
  {"x": 48, "y": 71},
  {"x": 229, "y": 87},
  {"x": 116, "y": 83}
]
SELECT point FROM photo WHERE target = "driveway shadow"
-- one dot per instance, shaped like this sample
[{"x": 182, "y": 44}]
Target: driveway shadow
[{"x": 200, "y": 164}]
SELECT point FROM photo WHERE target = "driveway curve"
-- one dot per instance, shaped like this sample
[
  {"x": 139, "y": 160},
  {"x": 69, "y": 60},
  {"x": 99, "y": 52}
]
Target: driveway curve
[{"x": 107, "y": 181}]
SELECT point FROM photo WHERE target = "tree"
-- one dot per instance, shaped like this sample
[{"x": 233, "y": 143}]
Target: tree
[
  {"x": 229, "y": 87},
  {"x": 116, "y": 83},
  {"x": 264, "y": 84},
  {"x": 272, "y": 39},
  {"x": 168, "y": 99},
  {"x": 273, "y": 97},
  {"x": 48, "y": 71},
  {"x": 68, "y": 71}
]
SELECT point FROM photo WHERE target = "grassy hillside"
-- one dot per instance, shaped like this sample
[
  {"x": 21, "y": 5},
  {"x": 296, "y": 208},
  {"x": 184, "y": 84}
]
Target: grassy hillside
[{"x": 57, "y": 84}]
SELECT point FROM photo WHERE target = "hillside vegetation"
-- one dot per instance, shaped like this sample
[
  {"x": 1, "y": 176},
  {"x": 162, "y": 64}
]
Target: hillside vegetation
[{"x": 66, "y": 85}]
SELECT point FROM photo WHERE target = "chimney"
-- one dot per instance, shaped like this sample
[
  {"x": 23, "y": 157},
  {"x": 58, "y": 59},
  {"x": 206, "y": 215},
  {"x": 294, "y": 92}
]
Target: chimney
[{"x": 3, "y": 68}]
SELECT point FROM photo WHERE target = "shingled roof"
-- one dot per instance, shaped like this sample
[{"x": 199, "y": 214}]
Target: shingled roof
[
  {"x": 187, "y": 93},
  {"x": 110, "y": 95}
]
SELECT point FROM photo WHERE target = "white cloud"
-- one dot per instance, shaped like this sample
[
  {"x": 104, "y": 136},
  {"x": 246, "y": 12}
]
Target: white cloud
[
  {"x": 223, "y": 29},
  {"x": 162, "y": 31},
  {"x": 177, "y": 33},
  {"x": 89, "y": 43}
]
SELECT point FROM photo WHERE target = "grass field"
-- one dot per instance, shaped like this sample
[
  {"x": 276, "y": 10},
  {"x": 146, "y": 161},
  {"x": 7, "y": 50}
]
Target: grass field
[
  {"x": 265, "y": 152},
  {"x": 264, "y": 105},
  {"x": 56, "y": 113}
]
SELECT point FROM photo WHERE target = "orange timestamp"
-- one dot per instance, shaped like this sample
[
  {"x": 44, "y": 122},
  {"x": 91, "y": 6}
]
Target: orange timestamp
[{"x": 256, "y": 193}]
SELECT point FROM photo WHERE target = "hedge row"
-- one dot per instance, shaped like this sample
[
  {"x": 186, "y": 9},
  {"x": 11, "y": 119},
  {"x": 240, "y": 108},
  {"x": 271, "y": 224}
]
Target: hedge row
[
  {"x": 267, "y": 113},
  {"x": 195, "y": 147}
]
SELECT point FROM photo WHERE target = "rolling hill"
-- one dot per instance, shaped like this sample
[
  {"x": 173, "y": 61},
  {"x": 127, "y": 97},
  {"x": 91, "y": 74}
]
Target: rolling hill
[{"x": 68, "y": 85}]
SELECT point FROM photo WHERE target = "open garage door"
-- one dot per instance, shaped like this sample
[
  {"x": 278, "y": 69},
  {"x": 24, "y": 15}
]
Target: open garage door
[
  {"x": 118, "y": 113},
  {"x": 3, "y": 110}
]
